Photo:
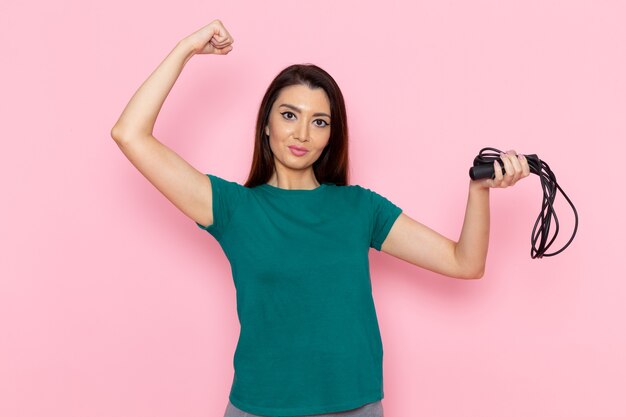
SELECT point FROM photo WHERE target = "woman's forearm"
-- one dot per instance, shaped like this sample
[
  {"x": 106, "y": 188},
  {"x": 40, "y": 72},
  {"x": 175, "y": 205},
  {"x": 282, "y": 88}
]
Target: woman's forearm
[
  {"x": 471, "y": 249},
  {"x": 139, "y": 116}
]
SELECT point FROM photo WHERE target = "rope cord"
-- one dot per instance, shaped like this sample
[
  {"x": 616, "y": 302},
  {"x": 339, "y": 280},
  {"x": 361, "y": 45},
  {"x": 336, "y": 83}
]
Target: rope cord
[{"x": 483, "y": 168}]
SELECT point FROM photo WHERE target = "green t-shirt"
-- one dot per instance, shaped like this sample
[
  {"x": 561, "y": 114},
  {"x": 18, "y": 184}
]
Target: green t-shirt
[{"x": 309, "y": 341}]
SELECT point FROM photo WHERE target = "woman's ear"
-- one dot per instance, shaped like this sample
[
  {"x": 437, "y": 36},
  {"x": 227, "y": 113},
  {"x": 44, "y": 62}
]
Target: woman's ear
[{"x": 267, "y": 130}]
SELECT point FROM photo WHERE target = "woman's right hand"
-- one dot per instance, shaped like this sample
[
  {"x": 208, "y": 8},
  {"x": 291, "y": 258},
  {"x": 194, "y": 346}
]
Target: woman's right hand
[{"x": 211, "y": 39}]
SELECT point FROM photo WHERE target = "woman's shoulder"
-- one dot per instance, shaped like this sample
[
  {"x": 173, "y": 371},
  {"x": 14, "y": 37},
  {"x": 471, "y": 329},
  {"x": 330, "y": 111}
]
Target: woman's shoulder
[{"x": 354, "y": 188}]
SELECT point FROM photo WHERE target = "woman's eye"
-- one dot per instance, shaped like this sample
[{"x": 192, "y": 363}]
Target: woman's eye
[
  {"x": 287, "y": 113},
  {"x": 323, "y": 124}
]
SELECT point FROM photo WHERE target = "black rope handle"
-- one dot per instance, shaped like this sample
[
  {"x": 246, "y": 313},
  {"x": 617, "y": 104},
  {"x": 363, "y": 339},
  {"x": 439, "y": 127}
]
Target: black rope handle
[{"x": 483, "y": 168}]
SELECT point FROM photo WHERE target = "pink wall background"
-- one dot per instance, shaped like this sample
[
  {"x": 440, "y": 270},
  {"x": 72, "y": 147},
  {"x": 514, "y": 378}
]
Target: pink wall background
[{"x": 113, "y": 303}]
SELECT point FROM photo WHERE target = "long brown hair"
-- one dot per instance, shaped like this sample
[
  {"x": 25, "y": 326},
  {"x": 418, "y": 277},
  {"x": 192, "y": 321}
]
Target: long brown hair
[{"x": 332, "y": 164}]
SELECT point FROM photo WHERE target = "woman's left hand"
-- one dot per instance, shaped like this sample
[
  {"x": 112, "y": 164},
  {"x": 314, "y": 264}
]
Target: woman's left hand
[{"x": 515, "y": 167}]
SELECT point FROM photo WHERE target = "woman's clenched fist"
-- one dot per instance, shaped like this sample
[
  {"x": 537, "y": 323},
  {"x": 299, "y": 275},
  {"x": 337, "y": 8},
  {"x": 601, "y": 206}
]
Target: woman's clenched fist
[{"x": 211, "y": 39}]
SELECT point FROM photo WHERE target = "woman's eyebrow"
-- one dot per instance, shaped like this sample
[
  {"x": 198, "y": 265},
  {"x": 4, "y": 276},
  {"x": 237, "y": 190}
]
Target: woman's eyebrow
[{"x": 296, "y": 109}]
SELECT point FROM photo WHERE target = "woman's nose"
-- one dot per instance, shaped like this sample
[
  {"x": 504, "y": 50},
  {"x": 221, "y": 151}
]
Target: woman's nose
[{"x": 302, "y": 130}]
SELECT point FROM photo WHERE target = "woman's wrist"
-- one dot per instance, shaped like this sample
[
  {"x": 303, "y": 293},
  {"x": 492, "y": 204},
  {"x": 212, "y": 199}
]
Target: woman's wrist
[
  {"x": 186, "y": 48},
  {"x": 478, "y": 185}
]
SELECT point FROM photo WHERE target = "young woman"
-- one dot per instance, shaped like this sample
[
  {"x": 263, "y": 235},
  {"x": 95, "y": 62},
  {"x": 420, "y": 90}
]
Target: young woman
[{"x": 297, "y": 236}]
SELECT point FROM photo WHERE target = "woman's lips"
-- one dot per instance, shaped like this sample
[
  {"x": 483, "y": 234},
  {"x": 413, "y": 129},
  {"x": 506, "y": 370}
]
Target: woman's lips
[{"x": 297, "y": 151}]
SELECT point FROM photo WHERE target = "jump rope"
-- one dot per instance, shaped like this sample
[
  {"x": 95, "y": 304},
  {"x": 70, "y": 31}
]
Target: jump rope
[{"x": 483, "y": 168}]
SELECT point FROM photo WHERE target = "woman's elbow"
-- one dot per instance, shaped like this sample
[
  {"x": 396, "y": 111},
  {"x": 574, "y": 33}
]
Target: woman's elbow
[
  {"x": 479, "y": 274},
  {"x": 472, "y": 273}
]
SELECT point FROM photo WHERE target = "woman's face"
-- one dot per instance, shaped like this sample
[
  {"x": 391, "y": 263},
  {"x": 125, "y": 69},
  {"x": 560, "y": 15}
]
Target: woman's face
[{"x": 299, "y": 117}]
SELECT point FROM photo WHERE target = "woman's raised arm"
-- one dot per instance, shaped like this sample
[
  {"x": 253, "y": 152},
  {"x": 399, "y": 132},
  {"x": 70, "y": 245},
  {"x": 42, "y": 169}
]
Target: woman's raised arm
[{"x": 182, "y": 184}]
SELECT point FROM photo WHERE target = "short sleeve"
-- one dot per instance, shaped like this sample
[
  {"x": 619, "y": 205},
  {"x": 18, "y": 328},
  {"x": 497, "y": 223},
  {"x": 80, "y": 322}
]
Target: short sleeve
[
  {"x": 226, "y": 197},
  {"x": 383, "y": 214}
]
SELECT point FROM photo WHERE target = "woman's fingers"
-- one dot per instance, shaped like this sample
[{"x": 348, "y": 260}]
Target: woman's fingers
[
  {"x": 221, "y": 38},
  {"x": 506, "y": 172},
  {"x": 525, "y": 166},
  {"x": 222, "y": 47},
  {"x": 495, "y": 182},
  {"x": 223, "y": 51},
  {"x": 515, "y": 168},
  {"x": 221, "y": 41}
]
